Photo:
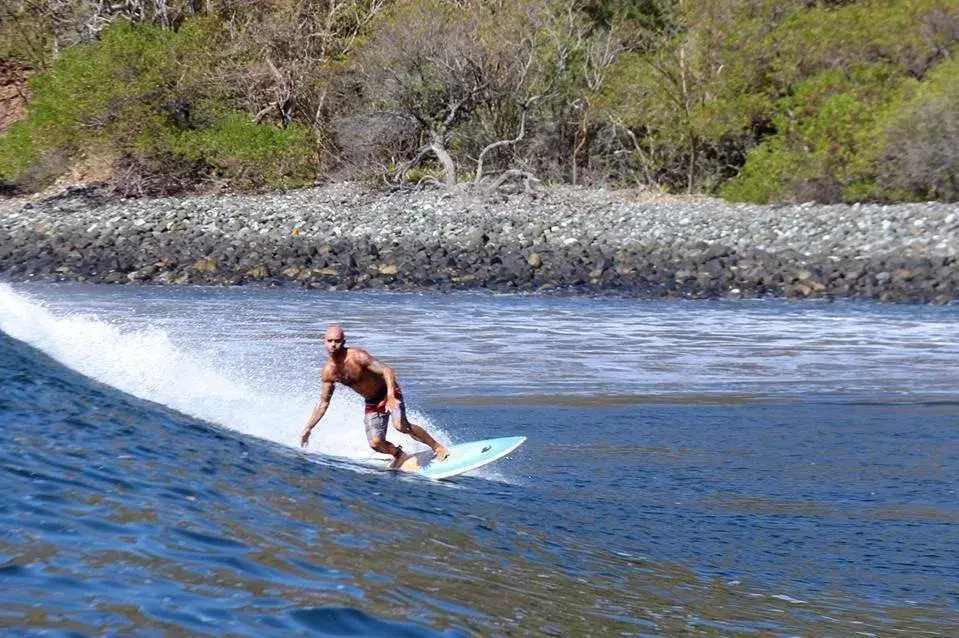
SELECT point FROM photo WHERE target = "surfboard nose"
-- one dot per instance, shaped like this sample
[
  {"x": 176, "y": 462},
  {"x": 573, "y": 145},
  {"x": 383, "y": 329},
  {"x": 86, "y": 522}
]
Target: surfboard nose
[{"x": 474, "y": 454}]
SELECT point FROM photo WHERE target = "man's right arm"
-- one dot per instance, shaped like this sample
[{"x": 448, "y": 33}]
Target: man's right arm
[{"x": 318, "y": 411}]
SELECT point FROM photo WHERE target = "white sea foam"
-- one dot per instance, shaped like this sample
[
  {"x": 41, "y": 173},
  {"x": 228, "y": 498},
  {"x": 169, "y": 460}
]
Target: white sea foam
[
  {"x": 469, "y": 345},
  {"x": 249, "y": 359},
  {"x": 146, "y": 362}
]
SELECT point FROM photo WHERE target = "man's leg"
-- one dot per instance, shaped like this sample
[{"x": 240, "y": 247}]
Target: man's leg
[
  {"x": 404, "y": 425},
  {"x": 376, "y": 423},
  {"x": 423, "y": 436},
  {"x": 385, "y": 447}
]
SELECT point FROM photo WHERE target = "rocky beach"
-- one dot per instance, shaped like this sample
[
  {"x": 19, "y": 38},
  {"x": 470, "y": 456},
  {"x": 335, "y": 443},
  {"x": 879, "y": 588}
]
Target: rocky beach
[{"x": 552, "y": 240}]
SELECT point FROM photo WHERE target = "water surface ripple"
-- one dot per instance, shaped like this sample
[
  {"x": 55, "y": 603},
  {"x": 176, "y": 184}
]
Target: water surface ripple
[{"x": 692, "y": 468}]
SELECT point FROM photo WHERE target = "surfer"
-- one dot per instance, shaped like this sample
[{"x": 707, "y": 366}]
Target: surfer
[{"x": 376, "y": 383}]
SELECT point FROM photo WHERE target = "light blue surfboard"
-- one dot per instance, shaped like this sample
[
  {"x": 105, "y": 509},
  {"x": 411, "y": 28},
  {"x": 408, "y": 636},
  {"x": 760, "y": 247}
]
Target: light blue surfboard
[{"x": 468, "y": 456}]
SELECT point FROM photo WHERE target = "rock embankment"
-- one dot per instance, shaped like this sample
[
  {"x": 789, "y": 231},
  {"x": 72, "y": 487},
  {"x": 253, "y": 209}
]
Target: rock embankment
[{"x": 561, "y": 239}]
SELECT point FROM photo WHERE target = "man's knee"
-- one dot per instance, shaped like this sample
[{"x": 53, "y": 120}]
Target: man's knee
[
  {"x": 402, "y": 425},
  {"x": 376, "y": 444}
]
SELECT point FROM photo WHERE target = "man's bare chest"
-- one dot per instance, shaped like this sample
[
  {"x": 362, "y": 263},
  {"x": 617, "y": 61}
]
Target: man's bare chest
[{"x": 348, "y": 374}]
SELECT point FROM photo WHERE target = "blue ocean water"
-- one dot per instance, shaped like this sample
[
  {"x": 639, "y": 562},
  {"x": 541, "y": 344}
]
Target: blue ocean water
[{"x": 715, "y": 467}]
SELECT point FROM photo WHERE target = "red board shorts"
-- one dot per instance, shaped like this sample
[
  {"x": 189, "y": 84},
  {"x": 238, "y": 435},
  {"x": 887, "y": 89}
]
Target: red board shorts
[{"x": 377, "y": 418}]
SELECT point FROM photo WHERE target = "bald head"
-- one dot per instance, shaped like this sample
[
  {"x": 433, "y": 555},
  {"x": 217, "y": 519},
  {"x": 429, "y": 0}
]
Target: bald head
[{"x": 335, "y": 340}]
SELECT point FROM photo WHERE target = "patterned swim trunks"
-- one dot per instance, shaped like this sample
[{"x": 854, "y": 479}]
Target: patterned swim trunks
[{"x": 377, "y": 418}]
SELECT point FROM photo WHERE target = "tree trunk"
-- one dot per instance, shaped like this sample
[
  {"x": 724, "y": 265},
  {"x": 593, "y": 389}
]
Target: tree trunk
[
  {"x": 449, "y": 167},
  {"x": 581, "y": 140}
]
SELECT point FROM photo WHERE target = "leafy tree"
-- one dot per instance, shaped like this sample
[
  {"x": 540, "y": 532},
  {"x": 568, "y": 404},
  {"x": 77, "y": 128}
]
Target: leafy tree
[
  {"x": 37, "y": 31},
  {"x": 580, "y": 55},
  {"x": 682, "y": 100},
  {"x": 826, "y": 141},
  {"x": 911, "y": 36},
  {"x": 695, "y": 96},
  {"x": 142, "y": 96},
  {"x": 444, "y": 75},
  {"x": 920, "y": 159},
  {"x": 840, "y": 73},
  {"x": 764, "y": 100},
  {"x": 283, "y": 54}
]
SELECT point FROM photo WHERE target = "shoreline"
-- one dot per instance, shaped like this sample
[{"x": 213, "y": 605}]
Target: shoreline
[{"x": 557, "y": 239}]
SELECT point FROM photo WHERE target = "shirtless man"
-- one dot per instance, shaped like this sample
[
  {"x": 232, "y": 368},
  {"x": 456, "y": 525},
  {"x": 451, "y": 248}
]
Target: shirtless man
[{"x": 375, "y": 382}]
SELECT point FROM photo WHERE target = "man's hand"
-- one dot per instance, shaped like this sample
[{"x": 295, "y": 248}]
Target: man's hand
[
  {"x": 392, "y": 403},
  {"x": 305, "y": 437}
]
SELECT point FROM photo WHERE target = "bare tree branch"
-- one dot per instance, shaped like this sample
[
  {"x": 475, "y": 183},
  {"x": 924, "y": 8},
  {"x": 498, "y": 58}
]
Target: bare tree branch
[
  {"x": 528, "y": 179},
  {"x": 524, "y": 109},
  {"x": 422, "y": 152}
]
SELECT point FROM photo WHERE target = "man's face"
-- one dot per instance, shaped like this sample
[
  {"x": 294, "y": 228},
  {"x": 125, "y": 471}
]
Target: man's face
[{"x": 335, "y": 341}]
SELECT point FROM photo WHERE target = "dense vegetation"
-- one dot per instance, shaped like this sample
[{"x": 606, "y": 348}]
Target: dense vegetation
[{"x": 756, "y": 100}]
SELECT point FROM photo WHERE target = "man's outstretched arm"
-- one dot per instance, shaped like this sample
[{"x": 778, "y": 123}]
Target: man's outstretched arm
[{"x": 318, "y": 411}]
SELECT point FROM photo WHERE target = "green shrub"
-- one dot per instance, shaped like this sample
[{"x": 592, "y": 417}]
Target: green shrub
[
  {"x": 148, "y": 98},
  {"x": 766, "y": 100},
  {"x": 827, "y": 140},
  {"x": 251, "y": 155},
  {"x": 833, "y": 73},
  {"x": 920, "y": 159},
  {"x": 908, "y": 35},
  {"x": 17, "y": 152}
]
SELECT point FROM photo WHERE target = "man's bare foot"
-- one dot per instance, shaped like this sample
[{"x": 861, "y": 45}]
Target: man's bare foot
[
  {"x": 411, "y": 464},
  {"x": 399, "y": 460},
  {"x": 440, "y": 452}
]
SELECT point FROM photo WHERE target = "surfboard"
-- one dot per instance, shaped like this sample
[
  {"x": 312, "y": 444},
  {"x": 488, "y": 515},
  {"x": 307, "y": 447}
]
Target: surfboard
[{"x": 463, "y": 457}]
